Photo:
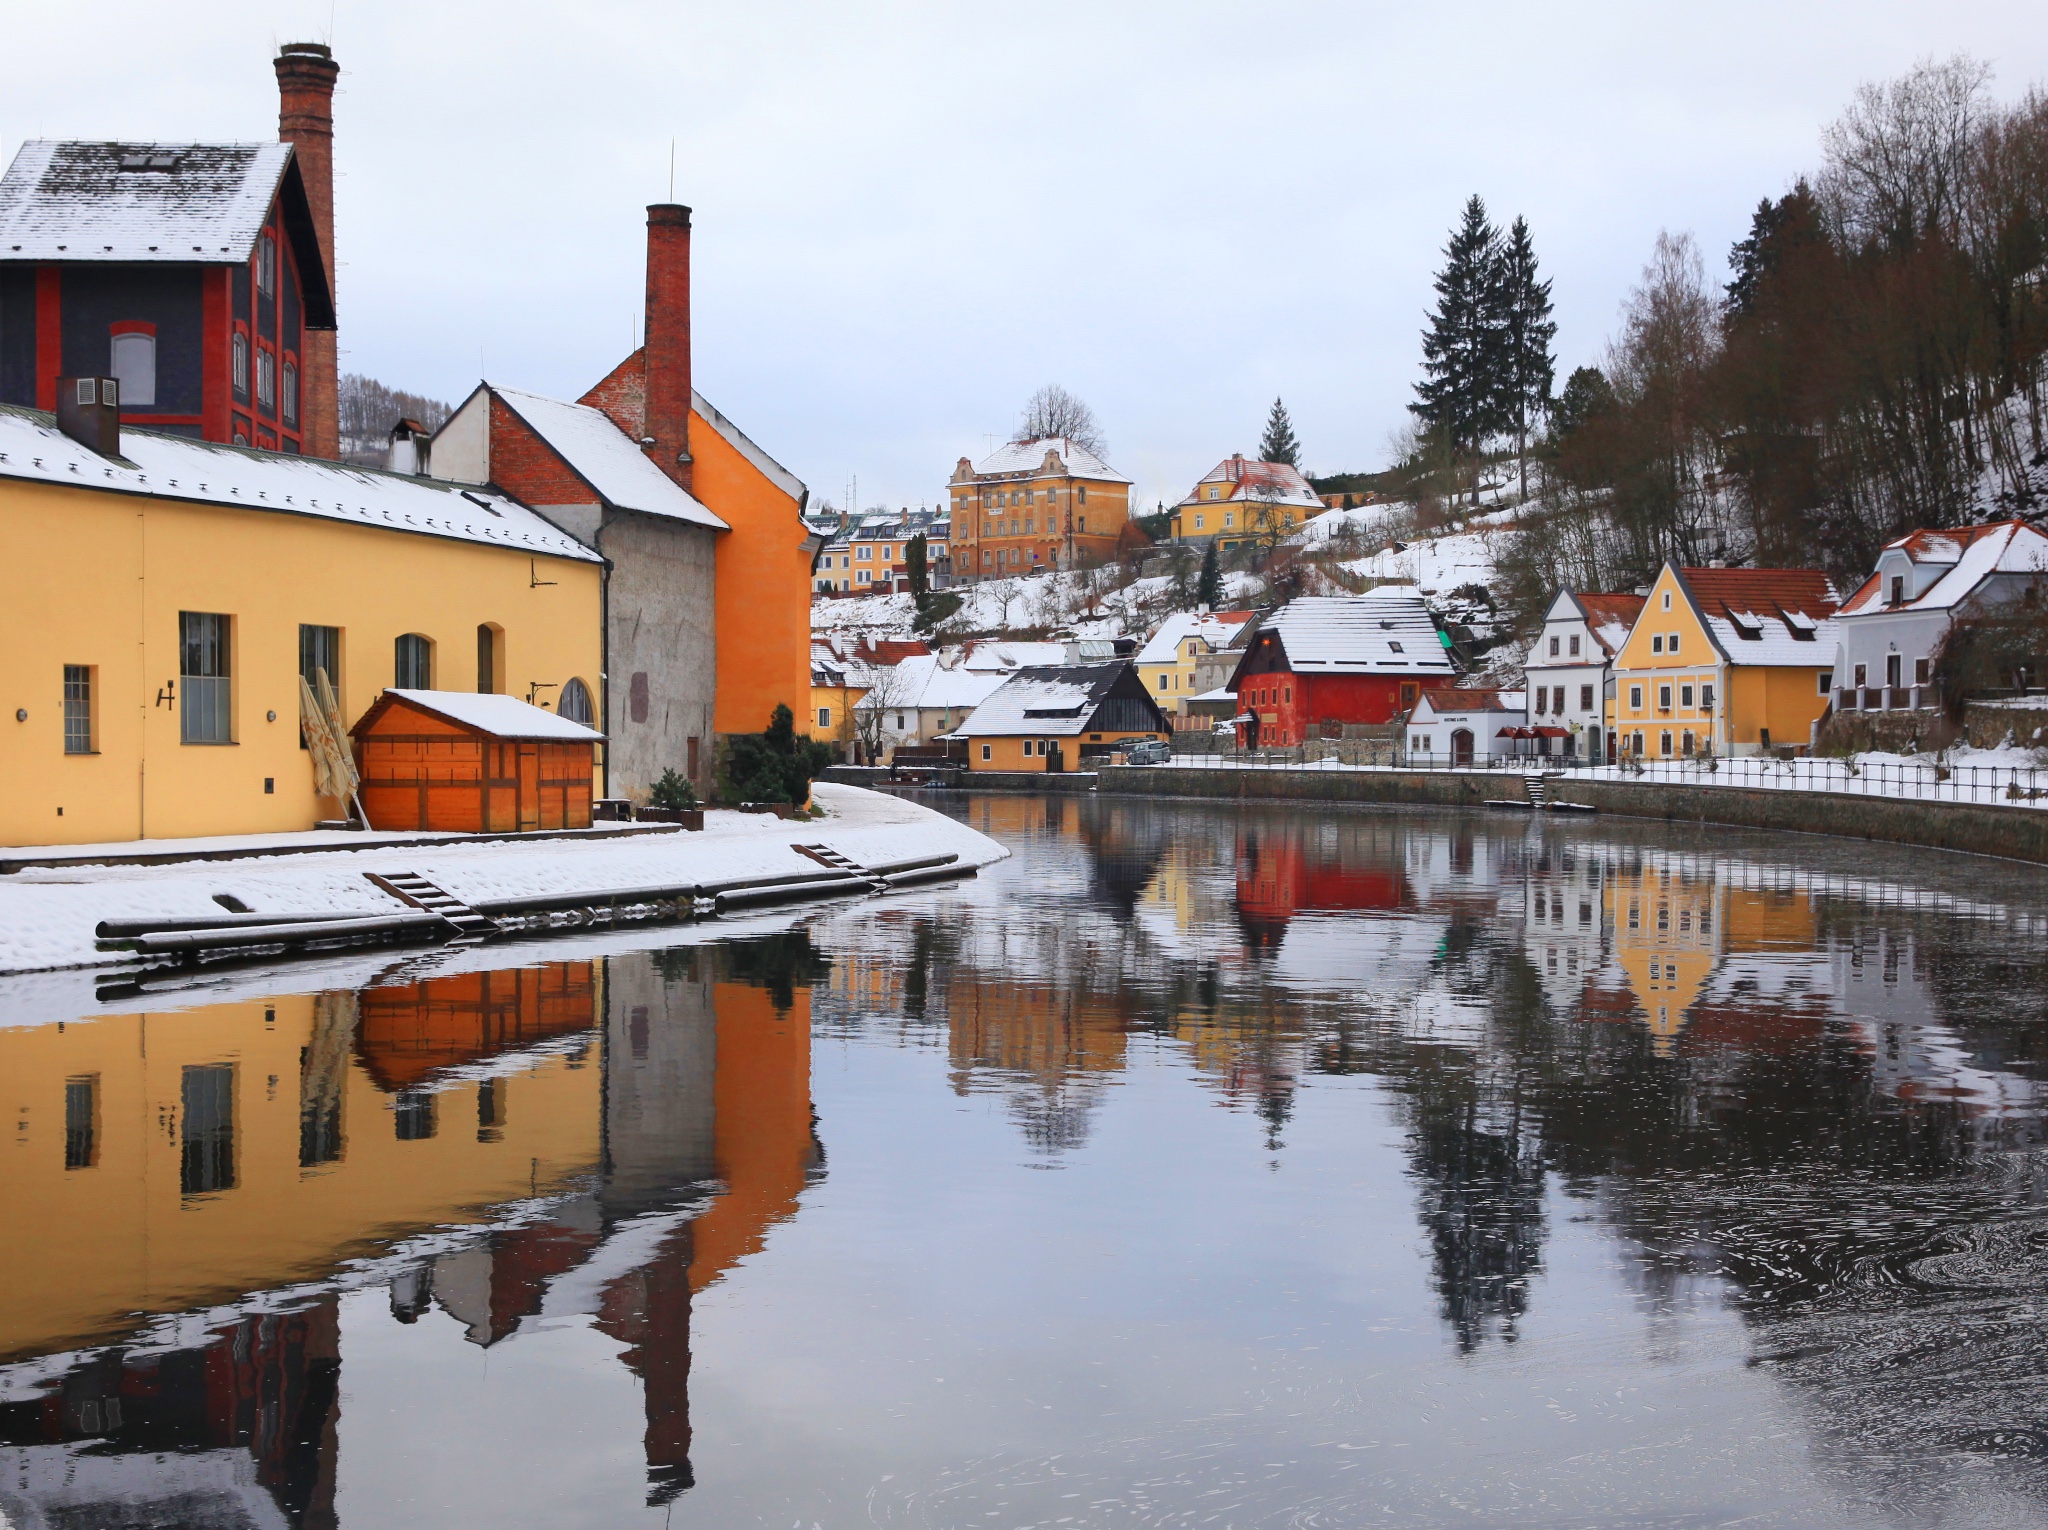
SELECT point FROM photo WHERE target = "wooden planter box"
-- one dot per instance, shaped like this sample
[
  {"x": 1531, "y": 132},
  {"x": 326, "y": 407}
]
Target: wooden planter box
[{"x": 690, "y": 818}]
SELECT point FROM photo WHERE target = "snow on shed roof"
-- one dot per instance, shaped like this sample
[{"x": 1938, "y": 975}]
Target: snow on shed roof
[
  {"x": 1026, "y": 457},
  {"x": 1050, "y": 701},
  {"x": 1384, "y": 631},
  {"x": 499, "y": 716},
  {"x": 1219, "y": 629},
  {"x": 138, "y": 201},
  {"x": 604, "y": 457},
  {"x": 1973, "y": 553},
  {"x": 32, "y": 450}
]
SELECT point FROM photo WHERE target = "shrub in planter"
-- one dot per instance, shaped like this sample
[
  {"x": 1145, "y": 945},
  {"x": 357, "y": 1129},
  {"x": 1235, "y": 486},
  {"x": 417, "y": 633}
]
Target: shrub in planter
[{"x": 775, "y": 765}]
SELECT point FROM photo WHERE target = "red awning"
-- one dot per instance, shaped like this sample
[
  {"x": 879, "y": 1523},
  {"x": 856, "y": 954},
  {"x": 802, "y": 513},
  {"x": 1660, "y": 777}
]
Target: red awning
[
  {"x": 1514, "y": 733},
  {"x": 1550, "y": 733}
]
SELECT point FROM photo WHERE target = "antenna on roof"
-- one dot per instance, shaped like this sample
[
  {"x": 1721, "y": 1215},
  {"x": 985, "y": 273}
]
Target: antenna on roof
[{"x": 671, "y": 168}]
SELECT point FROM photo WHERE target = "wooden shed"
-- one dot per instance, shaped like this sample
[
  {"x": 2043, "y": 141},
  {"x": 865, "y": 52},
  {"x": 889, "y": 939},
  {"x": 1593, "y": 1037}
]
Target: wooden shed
[{"x": 473, "y": 762}]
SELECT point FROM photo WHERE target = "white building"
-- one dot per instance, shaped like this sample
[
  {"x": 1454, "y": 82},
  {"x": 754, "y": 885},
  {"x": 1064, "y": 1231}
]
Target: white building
[
  {"x": 1568, "y": 669},
  {"x": 1465, "y": 727},
  {"x": 1888, "y": 631}
]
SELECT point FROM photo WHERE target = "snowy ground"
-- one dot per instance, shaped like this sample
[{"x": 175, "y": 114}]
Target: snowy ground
[
  {"x": 1076, "y": 603},
  {"x": 47, "y": 915}
]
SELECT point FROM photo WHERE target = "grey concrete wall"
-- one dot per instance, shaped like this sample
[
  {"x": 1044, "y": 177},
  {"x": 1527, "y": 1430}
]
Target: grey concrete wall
[
  {"x": 2016, "y": 833},
  {"x": 662, "y": 619}
]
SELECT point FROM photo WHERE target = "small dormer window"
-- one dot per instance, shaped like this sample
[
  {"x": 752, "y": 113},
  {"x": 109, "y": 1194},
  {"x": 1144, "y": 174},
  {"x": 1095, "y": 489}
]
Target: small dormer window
[{"x": 1898, "y": 589}]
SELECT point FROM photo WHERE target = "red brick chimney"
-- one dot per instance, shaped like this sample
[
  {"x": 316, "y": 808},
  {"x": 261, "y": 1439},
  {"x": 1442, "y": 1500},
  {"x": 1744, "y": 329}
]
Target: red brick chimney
[
  {"x": 305, "y": 119},
  {"x": 667, "y": 351}
]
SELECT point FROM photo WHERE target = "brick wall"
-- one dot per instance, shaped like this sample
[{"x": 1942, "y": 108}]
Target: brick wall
[{"x": 527, "y": 468}]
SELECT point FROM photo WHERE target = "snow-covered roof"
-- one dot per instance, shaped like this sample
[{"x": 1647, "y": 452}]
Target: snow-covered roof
[
  {"x": 500, "y": 716},
  {"x": 144, "y": 202},
  {"x": 1218, "y": 629},
  {"x": 1274, "y": 482},
  {"x": 1435, "y": 705},
  {"x": 604, "y": 457},
  {"x": 1748, "y": 613},
  {"x": 1384, "y": 631},
  {"x": 32, "y": 450},
  {"x": 923, "y": 681},
  {"x": 1609, "y": 616},
  {"x": 1002, "y": 656},
  {"x": 1971, "y": 554},
  {"x": 1053, "y": 701},
  {"x": 1022, "y": 458}
]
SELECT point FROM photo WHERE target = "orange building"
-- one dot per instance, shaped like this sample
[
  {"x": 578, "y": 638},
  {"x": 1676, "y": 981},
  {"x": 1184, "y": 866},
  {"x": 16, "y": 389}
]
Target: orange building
[
  {"x": 1037, "y": 504},
  {"x": 708, "y": 582}
]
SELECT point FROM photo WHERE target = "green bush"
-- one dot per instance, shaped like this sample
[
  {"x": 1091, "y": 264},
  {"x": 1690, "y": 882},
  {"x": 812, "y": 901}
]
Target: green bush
[
  {"x": 775, "y": 765},
  {"x": 673, "y": 791}
]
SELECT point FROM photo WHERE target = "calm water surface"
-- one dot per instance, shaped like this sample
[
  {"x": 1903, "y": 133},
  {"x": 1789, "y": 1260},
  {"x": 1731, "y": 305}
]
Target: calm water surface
[{"x": 1194, "y": 1167}]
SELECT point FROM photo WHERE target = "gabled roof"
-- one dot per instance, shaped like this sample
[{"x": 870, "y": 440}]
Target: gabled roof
[
  {"x": 1971, "y": 554},
  {"x": 1055, "y": 701},
  {"x": 1024, "y": 458},
  {"x": 1386, "y": 631},
  {"x": 1007, "y": 655},
  {"x": 1609, "y": 616},
  {"x": 158, "y": 203},
  {"x": 602, "y": 455},
  {"x": 1263, "y": 481},
  {"x": 33, "y": 450},
  {"x": 1764, "y": 615},
  {"x": 138, "y": 201},
  {"x": 1218, "y": 629},
  {"x": 1454, "y": 700},
  {"x": 499, "y": 716},
  {"x": 925, "y": 682}
]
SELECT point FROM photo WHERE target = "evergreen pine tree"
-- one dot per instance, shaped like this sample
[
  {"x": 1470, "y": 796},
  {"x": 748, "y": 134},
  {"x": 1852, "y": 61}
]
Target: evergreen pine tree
[
  {"x": 1209, "y": 584},
  {"x": 1278, "y": 444},
  {"x": 1528, "y": 368},
  {"x": 1459, "y": 398}
]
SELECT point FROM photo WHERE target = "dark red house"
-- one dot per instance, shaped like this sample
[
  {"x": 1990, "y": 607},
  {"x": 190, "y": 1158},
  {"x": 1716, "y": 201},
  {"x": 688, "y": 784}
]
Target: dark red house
[
  {"x": 198, "y": 275},
  {"x": 1323, "y": 661}
]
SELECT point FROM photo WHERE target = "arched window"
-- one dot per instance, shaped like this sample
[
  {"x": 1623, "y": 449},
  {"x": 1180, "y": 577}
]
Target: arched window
[
  {"x": 490, "y": 657},
  {"x": 241, "y": 365},
  {"x": 413, "y": 668},
  {"x": 575, "y": 704},
  {"x": 132, "y": 360},
  {"x": 289, "y": 403}
]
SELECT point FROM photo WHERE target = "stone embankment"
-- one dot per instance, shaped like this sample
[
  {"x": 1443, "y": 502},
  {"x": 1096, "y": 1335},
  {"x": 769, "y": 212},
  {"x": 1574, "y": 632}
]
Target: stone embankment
[{"x": 2016, "y": 833}]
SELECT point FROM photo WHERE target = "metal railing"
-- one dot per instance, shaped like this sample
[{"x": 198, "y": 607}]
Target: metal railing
[{"x": 1904, "y": 780}]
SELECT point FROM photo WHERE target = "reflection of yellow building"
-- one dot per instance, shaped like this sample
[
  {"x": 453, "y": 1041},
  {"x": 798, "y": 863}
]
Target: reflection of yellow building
[
  {"x": 1675, "y": 926},
  {"x": 192, "y": 1157}
]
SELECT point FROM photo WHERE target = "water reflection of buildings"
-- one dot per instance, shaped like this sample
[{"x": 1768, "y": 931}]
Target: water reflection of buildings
[{"x": 651, "y": 1115}]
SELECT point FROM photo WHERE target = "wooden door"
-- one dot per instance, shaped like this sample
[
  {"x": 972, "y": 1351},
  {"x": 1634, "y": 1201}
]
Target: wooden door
[
  {"x": 529, "y": 787},
  {"x": 1461, "y": 747}
]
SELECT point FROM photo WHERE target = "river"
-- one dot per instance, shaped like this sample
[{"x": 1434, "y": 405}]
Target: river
[{"x": 1194, "y": 1166}]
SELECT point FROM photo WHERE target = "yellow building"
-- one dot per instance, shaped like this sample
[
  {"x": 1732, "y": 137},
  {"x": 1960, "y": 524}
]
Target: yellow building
[
  {"x": 166, "y": 603},
  {"x": 1240, "y": 501},
  {"x": 1171, "y": 661},
  {"x": 1725, "y": 661},
  {"x": 1055, "y": 718},
  {"x": 1034, "y": 505}
]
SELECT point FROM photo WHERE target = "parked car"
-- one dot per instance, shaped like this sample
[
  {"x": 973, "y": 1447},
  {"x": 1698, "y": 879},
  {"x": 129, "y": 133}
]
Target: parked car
[{"x": 1149, "y": 752}]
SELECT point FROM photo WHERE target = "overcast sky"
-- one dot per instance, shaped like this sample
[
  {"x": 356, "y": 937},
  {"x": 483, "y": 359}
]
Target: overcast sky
[{"x": 909, "y": 216}]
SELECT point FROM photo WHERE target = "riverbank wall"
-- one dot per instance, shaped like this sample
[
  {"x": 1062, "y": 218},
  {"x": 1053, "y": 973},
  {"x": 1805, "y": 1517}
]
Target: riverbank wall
[{"x": 2014, "y": 833}]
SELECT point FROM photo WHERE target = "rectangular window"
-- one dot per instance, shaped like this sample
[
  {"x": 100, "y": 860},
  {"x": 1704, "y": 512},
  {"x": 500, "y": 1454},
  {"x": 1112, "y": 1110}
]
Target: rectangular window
[
  {"x": 1920, "y": 672},
  {"x": 824, "y": 717},
  {"x": 1894, "y": 665},
  {"x": 206, "y": 1129},
  {"x": 1898, "y": 590},
  {"x": 413, "y": 1115},
  {"x": 1635, "y": 698},
  {"x": 289, "y": 405},
  {"x": 1664, "y": 743},
  {"x": 1664, "y": 699},
  {"x": 78, "y": 731},
  {"x": 1575, "y": 645},
  {"x": 1827, "y": 681},
  {"x": 82, "y": 1121},
  {"x": 1685, "y": 695},
  {"x": 266, "y": 266},
  {"x": 984, "y": 751},
  {"x": 1671, "y": 644},
  {"x": 266, "y": 378},
  {"x": 1656, "y": 642},
  {"x": 1542, "y": 694},
  {"x": 1585, "y": 698},
  {"x": 1862, "y": 676},
  {"x": 320, "y": 651},
  {"x": 239, "y": 364},
  {"x": 1553, "y": 647},
  {"x": 412, "y": 661},
  {"x": 1707, "y": 697},
  {"x": 206, "y": 711}
]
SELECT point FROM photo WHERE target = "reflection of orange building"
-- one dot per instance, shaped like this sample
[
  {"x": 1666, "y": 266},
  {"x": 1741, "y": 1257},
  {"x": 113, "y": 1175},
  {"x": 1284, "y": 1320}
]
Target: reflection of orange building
[{"x": 411, "y": 1031}]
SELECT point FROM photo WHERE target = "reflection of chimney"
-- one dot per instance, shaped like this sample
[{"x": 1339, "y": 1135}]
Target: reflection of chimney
[
  {"x": 667, "y": 354},
  {"x": 305, "y": 119}
]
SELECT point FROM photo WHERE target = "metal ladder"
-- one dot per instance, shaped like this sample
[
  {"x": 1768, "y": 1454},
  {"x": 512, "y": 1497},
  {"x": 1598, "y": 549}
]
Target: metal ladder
[
  {"x": 1533, "y": 785},
  {"x": 825, "y": 855},
  {"x": 471, "y": 928}
]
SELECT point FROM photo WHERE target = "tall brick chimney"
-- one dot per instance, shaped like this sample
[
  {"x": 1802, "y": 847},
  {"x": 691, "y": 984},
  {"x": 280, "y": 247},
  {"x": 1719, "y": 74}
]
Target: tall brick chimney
[
  {"x": 305, "y": 119},
  {"x": 667, "y": 353}
]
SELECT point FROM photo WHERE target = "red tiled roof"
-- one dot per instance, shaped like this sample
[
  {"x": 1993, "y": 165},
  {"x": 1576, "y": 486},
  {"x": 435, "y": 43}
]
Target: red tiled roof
[
  {"x": 1723, "y": 591},
  {"x": 1608, "y": 608}
]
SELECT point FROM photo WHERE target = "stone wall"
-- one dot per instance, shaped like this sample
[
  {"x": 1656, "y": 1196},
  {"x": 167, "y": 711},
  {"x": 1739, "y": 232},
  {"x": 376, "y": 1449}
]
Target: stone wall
[
  {"x": 2015, "y": 833},
  {"x": 1987, "y": 724},
  {"x": 1888, "y": 732}
]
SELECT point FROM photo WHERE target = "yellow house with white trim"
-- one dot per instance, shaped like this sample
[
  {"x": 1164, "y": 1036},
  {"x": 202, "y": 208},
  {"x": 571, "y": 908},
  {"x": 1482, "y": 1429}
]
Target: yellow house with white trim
[
  {"x": 164, "y": 604},
  {"x": 1728, "y": 661}
]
